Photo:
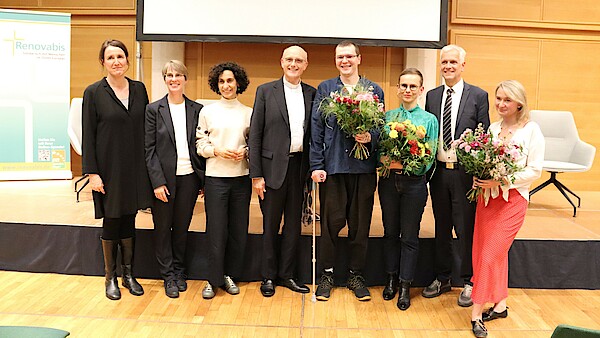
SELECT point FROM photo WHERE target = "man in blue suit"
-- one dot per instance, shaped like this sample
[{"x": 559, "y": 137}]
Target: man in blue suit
[{"x": 457, "y": 106}]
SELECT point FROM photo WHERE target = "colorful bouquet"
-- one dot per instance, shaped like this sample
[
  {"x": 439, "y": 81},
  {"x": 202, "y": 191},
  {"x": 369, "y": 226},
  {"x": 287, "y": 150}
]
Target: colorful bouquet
[
  {"x": 486, "y": 158},
  {"x": 405, "y": 143},
  {"x": 355, "y": 113}
]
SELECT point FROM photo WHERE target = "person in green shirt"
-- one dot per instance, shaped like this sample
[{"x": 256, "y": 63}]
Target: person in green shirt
[{"x": 403, "y": 193}]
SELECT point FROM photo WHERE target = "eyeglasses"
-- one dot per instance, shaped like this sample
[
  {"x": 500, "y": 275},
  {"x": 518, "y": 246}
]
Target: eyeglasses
[
  {"x": 171, "y": 76},
  {"x": 292, "y": 60},
  {"x": 349, "y": 57},
  {"x": 403, "y": 87}
]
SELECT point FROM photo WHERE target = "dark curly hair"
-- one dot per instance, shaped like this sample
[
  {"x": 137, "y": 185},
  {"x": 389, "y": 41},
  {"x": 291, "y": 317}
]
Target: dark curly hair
[{"x": 238, "y": 72}]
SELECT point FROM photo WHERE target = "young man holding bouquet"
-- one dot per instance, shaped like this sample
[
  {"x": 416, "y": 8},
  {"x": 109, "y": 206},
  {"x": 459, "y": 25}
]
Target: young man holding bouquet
[
  {"x": 347, "y": 182},
  {"x": 407, "y": 147},
  {"x": 457, "y": 105}
]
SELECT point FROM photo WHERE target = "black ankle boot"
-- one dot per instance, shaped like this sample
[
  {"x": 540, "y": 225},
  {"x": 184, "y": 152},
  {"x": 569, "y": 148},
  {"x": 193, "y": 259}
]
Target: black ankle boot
[
  {"x": 109, "y": 249},
  {"x": 404, "y": 298},
  {"x": 391, "y": 287},
  {"x": 127, "y": 250}
]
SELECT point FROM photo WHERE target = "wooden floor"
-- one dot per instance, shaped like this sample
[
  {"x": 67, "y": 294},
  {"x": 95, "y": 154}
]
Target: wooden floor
[
  {"x": 77, "y": 304},
  {"x": 53, "y": 202}
]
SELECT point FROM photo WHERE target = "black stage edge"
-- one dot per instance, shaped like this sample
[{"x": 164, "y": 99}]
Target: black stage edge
[{"x": 545, "y": 264}]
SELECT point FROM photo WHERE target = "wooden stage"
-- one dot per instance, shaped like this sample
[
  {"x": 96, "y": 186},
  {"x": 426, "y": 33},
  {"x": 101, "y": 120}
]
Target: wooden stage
[
  {"x": 77, "y": 303},
  {"x": 53, "y": 202}
]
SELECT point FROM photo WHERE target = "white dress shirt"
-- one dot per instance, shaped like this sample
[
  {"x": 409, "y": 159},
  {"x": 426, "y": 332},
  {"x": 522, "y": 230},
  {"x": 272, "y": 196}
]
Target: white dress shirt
[
  {"x": 294, "y": 100},
  {"x": 450, "y": 154}
]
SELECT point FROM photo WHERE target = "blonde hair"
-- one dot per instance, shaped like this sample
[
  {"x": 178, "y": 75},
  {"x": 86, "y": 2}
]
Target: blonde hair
[
  {"x": 177, "y": 66},
  {"x": 516, "y": 92}
]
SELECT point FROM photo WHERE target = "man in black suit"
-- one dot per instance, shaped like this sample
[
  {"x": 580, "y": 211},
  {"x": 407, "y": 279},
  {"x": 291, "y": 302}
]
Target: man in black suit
[
  {"x": 457, "y": 106},
  {"x": 176, "y": 172},
  {"x": 278, "y": 151}
]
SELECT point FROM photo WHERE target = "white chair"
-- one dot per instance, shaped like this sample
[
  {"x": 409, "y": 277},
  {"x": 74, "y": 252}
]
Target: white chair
[
  {"x": 565, "y": 152},
  {"x": 74, "y": 128}
]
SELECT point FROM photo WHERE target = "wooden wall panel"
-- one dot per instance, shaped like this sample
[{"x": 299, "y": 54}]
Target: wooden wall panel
[
  {"x": 527, "y": 10},
  {"x": 545, "y": 14},
  {"x": 104, "y": 7},
  {"x": 487, "y": 62},
  {"x": 566, "y": 84},
  {"x": 262, "y": 64},
  {"x": 556, "y": 71},
  {"x": 573, "y": 12}
]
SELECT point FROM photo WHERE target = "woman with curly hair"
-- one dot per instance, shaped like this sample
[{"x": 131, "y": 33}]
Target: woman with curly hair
[{"x": 221, "y": 137}]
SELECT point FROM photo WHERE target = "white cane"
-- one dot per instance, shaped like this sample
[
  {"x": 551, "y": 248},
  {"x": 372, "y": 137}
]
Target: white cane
[{"x": 313, "y": 298}]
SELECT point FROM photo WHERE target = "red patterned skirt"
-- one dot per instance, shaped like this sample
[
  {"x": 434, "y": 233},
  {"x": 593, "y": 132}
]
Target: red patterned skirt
[{"x": 496, "y": 226}]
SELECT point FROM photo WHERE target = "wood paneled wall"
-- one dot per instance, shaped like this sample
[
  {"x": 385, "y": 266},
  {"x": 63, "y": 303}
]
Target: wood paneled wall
[
  {"x": 546, "y": 45},
  {"x": 262, "y": 64}
]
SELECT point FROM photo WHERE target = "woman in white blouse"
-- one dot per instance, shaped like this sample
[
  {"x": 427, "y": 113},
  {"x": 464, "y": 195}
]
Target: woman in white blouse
[
  {"x": 501, "y": 209},
  {"x": 221, "y": 137}
]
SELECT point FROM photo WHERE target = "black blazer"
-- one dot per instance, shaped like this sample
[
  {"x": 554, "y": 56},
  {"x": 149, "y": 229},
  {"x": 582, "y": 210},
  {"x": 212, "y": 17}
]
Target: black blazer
[
  {"x": 161, "y": 152},
  {"x": 269, "y": 139},
  {"x": 473, "y": 109}
]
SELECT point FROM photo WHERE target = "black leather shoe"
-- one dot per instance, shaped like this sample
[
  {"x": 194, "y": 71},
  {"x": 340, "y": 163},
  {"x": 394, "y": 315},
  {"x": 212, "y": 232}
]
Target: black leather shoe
[
  {"x": 490, "y": 314},
  {"x": 171, "y": 289},
  {"x": 479, "y": 329},
  {"x": 267, "y": 288},
  {"x": 292, "y": 285},
  {"x": 391, "y": 287},
  {"x": 404, "y": 298}
]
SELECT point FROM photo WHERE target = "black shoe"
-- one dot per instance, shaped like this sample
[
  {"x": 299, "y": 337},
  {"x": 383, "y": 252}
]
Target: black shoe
[
  {"x": 404, "y": 298},
  {"x": 291, "y": 284},
  {"x": 391, "y": 287},
  {"x": 171, "y": 289},
  {"x": 181, "y": 283},
  {"x": 356, "y": 283},
  {"x": 479, "y": 329},
  {"x": 267, "y": 288},
  {"x": 127, "y": 251},
  {"x": 324, "y": 287},
  {"x": 490, "y": 314},
  {"x": 436, "y": 288}
]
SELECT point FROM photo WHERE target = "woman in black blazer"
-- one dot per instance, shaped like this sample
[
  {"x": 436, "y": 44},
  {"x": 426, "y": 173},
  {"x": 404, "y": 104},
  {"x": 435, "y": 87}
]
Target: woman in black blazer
[
  {"x": 113, "y": 157},
  {"x": 176, "y": 172}
]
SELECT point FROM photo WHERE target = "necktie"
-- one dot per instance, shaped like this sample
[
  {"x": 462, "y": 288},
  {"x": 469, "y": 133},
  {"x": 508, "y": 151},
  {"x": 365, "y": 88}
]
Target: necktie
[{"x": 447, "y": 119}]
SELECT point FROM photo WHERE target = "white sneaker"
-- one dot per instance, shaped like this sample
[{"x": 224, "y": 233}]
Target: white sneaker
[
  {"x": 230, "y": 286},
  {"x": 464, "y": 299},
  {"x": 208, "y": 292}
]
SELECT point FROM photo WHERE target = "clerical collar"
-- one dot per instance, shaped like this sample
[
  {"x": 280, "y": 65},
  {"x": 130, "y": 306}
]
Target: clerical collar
[{"x": 291, "y": 85}]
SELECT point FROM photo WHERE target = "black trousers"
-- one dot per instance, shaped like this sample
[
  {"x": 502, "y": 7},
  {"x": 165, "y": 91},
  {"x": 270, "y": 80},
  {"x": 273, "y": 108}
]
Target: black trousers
[
  {"x": 403, "y": 200},
  {"x": 452, "y": 210},
  {"x": 346, "y": 198},
  {"x": 286, "y": 201},
  {"x": 171, "y": 224},
  {"x": 227, "y": 205}
]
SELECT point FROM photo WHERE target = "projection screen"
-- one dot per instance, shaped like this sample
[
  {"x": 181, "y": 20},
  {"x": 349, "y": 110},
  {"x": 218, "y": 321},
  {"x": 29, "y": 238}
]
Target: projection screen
[{"x": 396, "y": 23}]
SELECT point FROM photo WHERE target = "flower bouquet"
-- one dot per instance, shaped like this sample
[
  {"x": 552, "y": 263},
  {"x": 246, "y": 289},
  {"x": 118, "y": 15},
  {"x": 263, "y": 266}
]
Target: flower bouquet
[
  {"x": 486, "y": 158},
  {"x": 405, "y": 143},
  {"x": 355, "y": 113}
]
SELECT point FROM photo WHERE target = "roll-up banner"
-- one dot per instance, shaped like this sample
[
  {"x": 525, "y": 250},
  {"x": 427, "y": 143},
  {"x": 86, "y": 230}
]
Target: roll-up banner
[{"x": 35, "y": 54}]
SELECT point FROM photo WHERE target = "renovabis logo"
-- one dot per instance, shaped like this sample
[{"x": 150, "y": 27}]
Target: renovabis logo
[{"x": 26, "y": 46}]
